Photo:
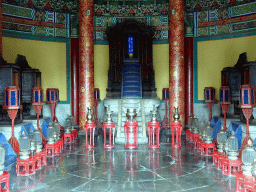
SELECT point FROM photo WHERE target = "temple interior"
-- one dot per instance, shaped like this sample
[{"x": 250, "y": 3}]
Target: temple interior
[{"x": 127, "y": 95}]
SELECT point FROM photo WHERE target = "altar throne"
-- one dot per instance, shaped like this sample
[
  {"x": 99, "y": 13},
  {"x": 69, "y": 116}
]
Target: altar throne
[{"x": 131, "y": 79}]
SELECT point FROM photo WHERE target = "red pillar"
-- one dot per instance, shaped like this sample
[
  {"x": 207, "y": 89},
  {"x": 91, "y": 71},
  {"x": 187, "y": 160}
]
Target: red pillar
[
  {"x": 188, "y": 78},
  {"x": 176, "y": 59},
  {"x": 74, "y": 78},
  {"x": 86, "y": 59}
]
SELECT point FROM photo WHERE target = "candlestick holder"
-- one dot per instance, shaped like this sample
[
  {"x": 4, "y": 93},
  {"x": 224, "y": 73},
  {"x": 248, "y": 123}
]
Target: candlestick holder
[
  {"x": 225, "y": 101},
  {"x": 247, "y": 102},
  {"x": 12, "y": 104},
  {"x": 209, "y": 97}
]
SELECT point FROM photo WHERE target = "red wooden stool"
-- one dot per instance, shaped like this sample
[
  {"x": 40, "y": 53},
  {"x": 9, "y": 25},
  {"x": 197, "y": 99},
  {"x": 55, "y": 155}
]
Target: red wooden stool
[
  {"x": 38, "y": 161},
  {"x": 199, "y": 144},
  {"x": 153, "y": 134},
  {"x": 197, "y": 140},
  {"x": 245, "y": 183},
  {"x": 51, "y": 149},
  {"x": 131, "y": 129},
  {"x": 89, "y": 134},
  {"x": 220, "y": 161},
  {"x": 215, "y": 158},
  {"x": 68, "y": 137},
  {"x": 191, "y": 137},
  {"x": 26, "y": 166},
  {"x": 195, "y": 136},
  {"x": 110, "y": 126},
  {"x": 231, "y": 167},
  {"x": 5, "y": 182},
  {"x": 188, "y": 132},
  {"x": 74, "y": 135},
  {"x": 207, "y": 148},
  {"x": 43, "y": 155},
  {"x": 61, "y": 144}
]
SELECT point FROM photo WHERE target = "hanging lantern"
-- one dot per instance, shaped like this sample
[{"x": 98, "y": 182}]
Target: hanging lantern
[
  {"x": 209, "y": 98},
  {"x": 89, "y": 130},
  {"x": 109, "y": 127},
  {"x": 176, "y": 129},
  {"x": 248, "y": 156},
  {"x": 232, "y": 147},
  {"x": 221, "y": 138}
]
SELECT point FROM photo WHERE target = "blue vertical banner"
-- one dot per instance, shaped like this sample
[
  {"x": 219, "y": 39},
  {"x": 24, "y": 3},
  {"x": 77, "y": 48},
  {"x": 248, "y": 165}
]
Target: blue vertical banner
[{"x": 130, "y": 44}]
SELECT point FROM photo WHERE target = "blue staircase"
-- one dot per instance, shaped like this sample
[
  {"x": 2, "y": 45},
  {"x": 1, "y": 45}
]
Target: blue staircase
[{"x": 131, "y": 87}]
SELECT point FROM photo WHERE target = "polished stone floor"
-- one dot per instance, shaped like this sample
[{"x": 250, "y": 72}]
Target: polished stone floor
[{"x": 120, "y": 169}]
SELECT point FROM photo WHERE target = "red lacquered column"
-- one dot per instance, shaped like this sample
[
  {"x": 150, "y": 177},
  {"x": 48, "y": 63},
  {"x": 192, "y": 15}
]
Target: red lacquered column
[
  {"x": 86, "y": 59},
  {"x": 176, "y": 59},
  {"x": 74, "y": 78},
  {"x": 188, "y": 78}
]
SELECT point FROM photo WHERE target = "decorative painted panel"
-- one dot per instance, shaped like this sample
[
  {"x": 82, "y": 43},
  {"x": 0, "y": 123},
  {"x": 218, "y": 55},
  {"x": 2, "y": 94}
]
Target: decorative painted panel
[{"x": 241, "y": 18}]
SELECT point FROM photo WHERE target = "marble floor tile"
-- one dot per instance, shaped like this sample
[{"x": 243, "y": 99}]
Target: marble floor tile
[{"x": 120, "y": 169}]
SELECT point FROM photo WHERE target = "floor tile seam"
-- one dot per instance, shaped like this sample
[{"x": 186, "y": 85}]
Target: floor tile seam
[{"x": 90, "y": 180}]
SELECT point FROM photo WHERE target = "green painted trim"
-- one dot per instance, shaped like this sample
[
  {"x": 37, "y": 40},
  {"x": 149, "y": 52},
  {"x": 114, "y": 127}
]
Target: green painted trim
[
  {"x": 55, "y": 39},
  {"x": 101, "y": 42},
  {"x": 198, "y": 39},
  {"x": 33, "y": 37},
  {"x": 101, "y": 102},
  {"x": 160, "y": 42}
]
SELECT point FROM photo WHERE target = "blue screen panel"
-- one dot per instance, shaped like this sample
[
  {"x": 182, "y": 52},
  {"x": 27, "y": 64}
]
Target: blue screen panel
[
  {"x": 226, "y": 95},
  {"x": 13, "y": 97},
  {"x": 246, "y": 97},
  {"x": 41, "y": 96},
  {"x": 221, "y": 95},
  {"x": 207, "y": 94},
  {"x": 6, "y": 97},
  {"x": 52, "y": 95},
  {"x": 36, "y": 96}
]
